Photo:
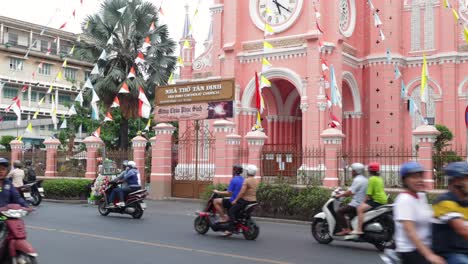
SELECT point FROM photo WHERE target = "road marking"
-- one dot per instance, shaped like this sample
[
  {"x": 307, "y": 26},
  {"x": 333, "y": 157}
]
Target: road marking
[{"x": 152, "y": 244}]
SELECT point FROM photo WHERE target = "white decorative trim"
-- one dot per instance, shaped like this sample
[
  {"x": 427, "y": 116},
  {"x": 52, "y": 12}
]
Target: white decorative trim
[
  {"x": 224, "y": 129},
  {"x": 137, "y": 144},
  {"x": 274, "y": 54},
  {"x": 217, "y": 9},
  {"x": 431, "y": 83},
  {"x": 429, "y": 25},
  {"x": 352, "y": 83},
  {"x": 304, "y": 107},
  {"x": 332, "y": 141},
  {"x": 288, "y": 105},
  {"x": 460, "y": 88},
  {"x": 281, "y": 73},
  {"x": 352, "y": 22},
  {"x": 277, "y": 29},
  {"x": 88, "y": 145},
  {"x": 255, "y": 141},
  {"x": 164, "y": 131},
  {"x": 415, "y": 25},
  {"x": 425, "y": 138}
]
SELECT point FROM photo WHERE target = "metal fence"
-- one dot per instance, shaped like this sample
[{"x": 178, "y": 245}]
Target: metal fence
[
  {"x": 71, "y": 164},
  {"x": 390, "y": 159},
  {"x": 441, "y": 159},
  {"x": 292, "y": 164},
  {"x": 5, "y": 154},
  {"x": 119, "y": 156},
  {"x": 38, "y": 158},
  {"x": 148, "y": 158}
]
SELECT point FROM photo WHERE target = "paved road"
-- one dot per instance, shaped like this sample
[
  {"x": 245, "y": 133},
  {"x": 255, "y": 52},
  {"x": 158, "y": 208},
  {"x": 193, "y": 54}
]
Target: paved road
[{"x": 76, "y": 234}]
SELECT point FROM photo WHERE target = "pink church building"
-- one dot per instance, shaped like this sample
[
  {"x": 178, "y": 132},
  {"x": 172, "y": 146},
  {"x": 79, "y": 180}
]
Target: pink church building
[{"x": 364, "y": 57}]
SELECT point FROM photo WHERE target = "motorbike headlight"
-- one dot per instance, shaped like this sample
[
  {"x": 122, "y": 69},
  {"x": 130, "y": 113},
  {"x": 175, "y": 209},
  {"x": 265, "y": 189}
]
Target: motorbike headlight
[{"x": 15, "y": 213}]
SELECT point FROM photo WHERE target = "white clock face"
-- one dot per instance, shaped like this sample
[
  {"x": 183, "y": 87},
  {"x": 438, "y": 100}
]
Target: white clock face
[
  {"x": 280, "y": 11},
  {"x": 279, "y": 14}
]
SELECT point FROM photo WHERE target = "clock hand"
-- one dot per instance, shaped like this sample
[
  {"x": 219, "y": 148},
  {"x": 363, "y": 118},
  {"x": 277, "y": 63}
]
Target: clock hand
[
  {"x": 277, "y": 6},
  {"x": 280, "y": 5}
]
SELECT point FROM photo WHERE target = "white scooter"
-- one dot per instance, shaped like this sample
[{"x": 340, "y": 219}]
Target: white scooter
[{"x": 378, "y": 225}]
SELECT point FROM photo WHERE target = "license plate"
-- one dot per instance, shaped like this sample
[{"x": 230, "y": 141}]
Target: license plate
[
  {"x": 27, "y": 195},
  {"x": 143, "y": 206},
  {"x": 40, "y": 189}
]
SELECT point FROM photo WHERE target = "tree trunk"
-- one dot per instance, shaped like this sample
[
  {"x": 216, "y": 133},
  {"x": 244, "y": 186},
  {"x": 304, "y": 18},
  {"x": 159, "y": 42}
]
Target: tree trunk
[
  {"x": 71, "y": 143},
  {"x": 123, "y": 133}
]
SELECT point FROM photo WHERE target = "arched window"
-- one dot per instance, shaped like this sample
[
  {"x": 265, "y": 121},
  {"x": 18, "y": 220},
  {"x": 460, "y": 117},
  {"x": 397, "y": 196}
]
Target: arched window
[{"x": 427, "y": 109}]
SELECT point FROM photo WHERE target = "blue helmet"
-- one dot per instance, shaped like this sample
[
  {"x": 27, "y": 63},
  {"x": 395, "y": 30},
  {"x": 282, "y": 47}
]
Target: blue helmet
[
  {"x": 4, "y": 162},
  {"x": 409, "y": 168},
  {"x": 456, "y": 169}
]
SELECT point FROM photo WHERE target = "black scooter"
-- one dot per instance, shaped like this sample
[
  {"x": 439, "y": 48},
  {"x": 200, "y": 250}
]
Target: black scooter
[
  {"x": 243, "y": 224},
  {"x": 134, "y": 202}
]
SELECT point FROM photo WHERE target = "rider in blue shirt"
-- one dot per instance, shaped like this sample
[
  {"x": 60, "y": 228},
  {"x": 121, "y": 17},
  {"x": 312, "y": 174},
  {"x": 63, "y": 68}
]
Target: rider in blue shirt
[
  {"x": 132, "y": 185},
  {"x": 8, "y": 193},
  {"x": 233, "y": 190}
]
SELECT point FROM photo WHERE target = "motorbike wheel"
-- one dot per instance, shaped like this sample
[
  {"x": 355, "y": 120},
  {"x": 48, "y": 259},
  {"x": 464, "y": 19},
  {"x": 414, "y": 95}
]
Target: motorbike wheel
[
  {"x": 320, "y": 231},
  {"x": 37, "y": 198},
  {"x": 201, "y": 225},
  {"x": 102, "y": 208},
  {"x": 25, "y": 259},
  {"x": 138, "y": 212},
  {"x": 389, "y": 228},
  {"x": 253, "y": 231}
]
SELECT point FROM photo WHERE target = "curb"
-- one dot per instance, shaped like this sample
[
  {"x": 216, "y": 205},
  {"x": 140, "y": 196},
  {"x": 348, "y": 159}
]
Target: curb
[
  {"x": 175, "y": 199},
  {"x": 281, "y": 221},
  {"x": 66, "y": 201}
]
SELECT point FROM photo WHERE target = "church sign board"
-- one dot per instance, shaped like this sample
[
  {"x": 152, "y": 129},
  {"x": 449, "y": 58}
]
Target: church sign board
[{"x": 195, "y": 101}]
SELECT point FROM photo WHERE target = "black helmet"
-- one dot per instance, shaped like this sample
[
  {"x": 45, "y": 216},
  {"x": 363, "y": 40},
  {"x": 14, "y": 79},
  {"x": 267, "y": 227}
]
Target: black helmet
[
  {"x": 28, "y": 163},
  {"x": 237, "y": 169},
  {"x": 4, "y": 162}
]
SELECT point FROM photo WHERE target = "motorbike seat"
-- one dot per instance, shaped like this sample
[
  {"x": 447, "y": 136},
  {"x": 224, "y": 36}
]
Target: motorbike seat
[
  {"x": 136, "y": 192},
  {"x": 249, "y": 208}
]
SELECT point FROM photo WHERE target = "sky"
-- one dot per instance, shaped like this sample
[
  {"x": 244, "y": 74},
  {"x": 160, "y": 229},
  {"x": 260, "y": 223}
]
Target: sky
[{"x": 56, "y": 12}]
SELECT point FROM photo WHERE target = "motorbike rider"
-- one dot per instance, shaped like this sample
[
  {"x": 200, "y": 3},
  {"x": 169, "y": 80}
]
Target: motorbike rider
[
  {"x": 412, "y": 215},
  {"x": 131, "y": 179},
  {"x": 233, "y": 190},
  {"x": 120, "y": 178},
  {"x": 17, "y": 174},
  {"x": 450, "y": 223},
  {"x": 358, "y": 191},
  {"x": 247, "y": 194},
  {"x": 375, "y": 195},
  {"x": 8, "y": 194},
  {"x": 29, "y": 172}
]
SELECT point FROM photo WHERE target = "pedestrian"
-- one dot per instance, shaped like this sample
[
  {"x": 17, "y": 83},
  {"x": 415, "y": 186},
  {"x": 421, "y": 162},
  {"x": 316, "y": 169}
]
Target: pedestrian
[
  {"x": 29, "y": 172},
  {"x": 450, "y": 224},
  {"x": 17, "y": 174},
  {"x": 412, "y": 215}
]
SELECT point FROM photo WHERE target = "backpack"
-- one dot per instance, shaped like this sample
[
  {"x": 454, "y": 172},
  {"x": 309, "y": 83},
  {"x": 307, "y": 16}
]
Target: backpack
[{"x": 31, "y": 174}]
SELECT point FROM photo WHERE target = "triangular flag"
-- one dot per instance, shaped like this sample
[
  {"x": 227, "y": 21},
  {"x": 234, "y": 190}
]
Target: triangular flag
[
  {"x": 264, "y": 82},
  {"x": 324, "y": 64},
  {"x": 265, "y": 64},
  {"x": 88, "y": 84},
  {"x": 95, "y": 97},
  {"x": 64, "y": 124},
  {"x": 140, "y": 58},
  {"x": 382, "y": 36},
  {"x": 144, "y": 105},
  {"x": 148, "y": 125},
  {"x": 25, "y": 88},
  {"x": 371, "y": 6},
  {"x": 35, "y": 114},
  {"x": 64, "y": 63},
  {"x": 41, "y": 101},
  {"x": 124, "y": 88},
  {"x": 95, "y": 70},
  {"x": 335, "y": 92},
  {"x": 152, "y": 26},
  {"x": 186, "y": 44},
  {"x": 72, "y": 111},
  {"x": 63, "y": 25},
  {"x": 97, "y": 133},
  {"x": 320, "y": 46},
  {"x": 147, "y": 44},
  {"x": 116, "y": 102},
  {"x": 268, "y": 11},
  {"x": 87, "y": 24},
  {"x": 377, "y": 21},
  {"x": 329, "y": 102},
  {"x": 29, "y": 128},
  {"x": 108, "y": 117},
  {"x": 53, "y": 113},
  {"x": 59, "y": 76},
  {"x": 110, "y": 41},
  {"x": 318, "y": 27},
  {"x": 411, "y": 106},
  {"x": 180, "y": 61},
  {"x": 50, "y": 89},
  {"x": 267, "y": 45},
  {"x": 40, "y": 65},
  {"x": 161, "y": 11},
  {"x": 259, "y": 103},
  {"x": 171, "y": 79},
  {"x": 268, "y": 29},
  {"x": 455, "y": 15},
  {"x": 424, "y": 75},
  {"x": 389, "y": 56},
  {"x": 131, "y": 74},
  {"x": 465, "y": 31},
  {"x": 103, "y": 56},
  {"x": 74, "y": 13},
  {"x": 122, "y": 10},
  {"x": 447, "y": 4},
  {"x": 79, "y": 98},
  {"x": 20, "y": 138},
  {"x": 403, "y": 90},
  {"x": 397, "y": 72},
  {"x": 335, "y": 122}
]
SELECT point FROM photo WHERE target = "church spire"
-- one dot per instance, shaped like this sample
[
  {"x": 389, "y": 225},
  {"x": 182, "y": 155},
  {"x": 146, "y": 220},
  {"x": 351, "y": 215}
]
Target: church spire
[{"x": 186, "y": 34}]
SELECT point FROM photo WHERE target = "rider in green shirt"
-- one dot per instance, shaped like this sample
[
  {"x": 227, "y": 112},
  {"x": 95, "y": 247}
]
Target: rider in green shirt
[{"x": 376, "y": 195}]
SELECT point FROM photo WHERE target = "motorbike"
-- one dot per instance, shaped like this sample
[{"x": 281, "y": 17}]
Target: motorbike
[
  {"x": 378, "y": 226},
  {"x": 134, "y": 202},
  {"x": 14, "y": 248},
  {"x": 207, "y": 219},
  {"x": 32, "y": 192}
]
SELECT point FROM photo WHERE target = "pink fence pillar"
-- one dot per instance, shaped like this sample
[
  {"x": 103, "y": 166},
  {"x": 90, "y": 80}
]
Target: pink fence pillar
[
  {"x": 223, "y": 152},
  {"x": 16, "y": 150},
  {"x": 139, "y": 147},
  {"x": 255, "y": 141},
  {"x": 425, "y": 136},
  {"x": 92, "y": 146},
  {"x": 332, "y": 139},
  {"x": 161, "y": 162},
  {"x": 51, "y": 145}
]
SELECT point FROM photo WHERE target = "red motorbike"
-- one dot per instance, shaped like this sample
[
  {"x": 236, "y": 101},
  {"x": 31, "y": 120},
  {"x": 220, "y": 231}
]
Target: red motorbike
[
  {"x": 14, "y": 248},
  {"x": 243, "y": 224}
]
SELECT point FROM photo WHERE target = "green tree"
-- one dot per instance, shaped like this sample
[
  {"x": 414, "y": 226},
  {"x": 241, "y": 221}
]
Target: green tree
[
  {"x": 128, "y": 31},
  {"x": 5, "y": 141},
  {"x": 443, "y": 138}
]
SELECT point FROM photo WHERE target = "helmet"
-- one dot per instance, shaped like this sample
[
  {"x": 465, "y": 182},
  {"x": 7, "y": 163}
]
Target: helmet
[
  {"x": 18, "y": 164},
  {"x": 131, "y": 164},
  {"x": 28, "y": 163},
  {"x": 410, "y": 167},
  {"x": 251, "y": 170},
  {"x": 4, "y": 162},
  {"x": 125, "y": 163},
  {"x": 357, "y": 167},
  {"x": 237, "y": 169},
  {"x": 456, "y": 169},
  {"x": 373, "y": 166}
]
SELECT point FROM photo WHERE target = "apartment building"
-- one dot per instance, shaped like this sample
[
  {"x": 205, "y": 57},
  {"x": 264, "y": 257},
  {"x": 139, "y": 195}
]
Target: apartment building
[{"x": 30, "y": 77}]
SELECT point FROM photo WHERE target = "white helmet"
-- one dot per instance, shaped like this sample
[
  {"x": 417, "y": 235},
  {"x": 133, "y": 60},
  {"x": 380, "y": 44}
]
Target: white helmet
[
  {"x": 131, "y": 164},
  {"x": 358, "y": 167},
  {"x": 251, "y": 170}
]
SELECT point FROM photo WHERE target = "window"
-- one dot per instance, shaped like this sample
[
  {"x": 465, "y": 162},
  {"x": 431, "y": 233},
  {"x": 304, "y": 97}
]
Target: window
[
  {"x": 51, "y": 127},
  {"x": 64, "y": 99},
  {"x": 45, "y": 69},
  {"x": 42, "y": 128},
  {"x": 33, "y": 96},
  {"x": 10, "y": 93},
  {"x": 70, "y": 74},
  {"x": 16, "y": 64},
  {"x": 13, "y": 38},
  {"x": 87, "y": 74}
]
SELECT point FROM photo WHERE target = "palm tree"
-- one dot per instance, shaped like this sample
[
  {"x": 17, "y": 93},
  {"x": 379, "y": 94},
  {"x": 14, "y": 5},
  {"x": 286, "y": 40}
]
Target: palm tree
[{"x": 128, "y": 23}]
